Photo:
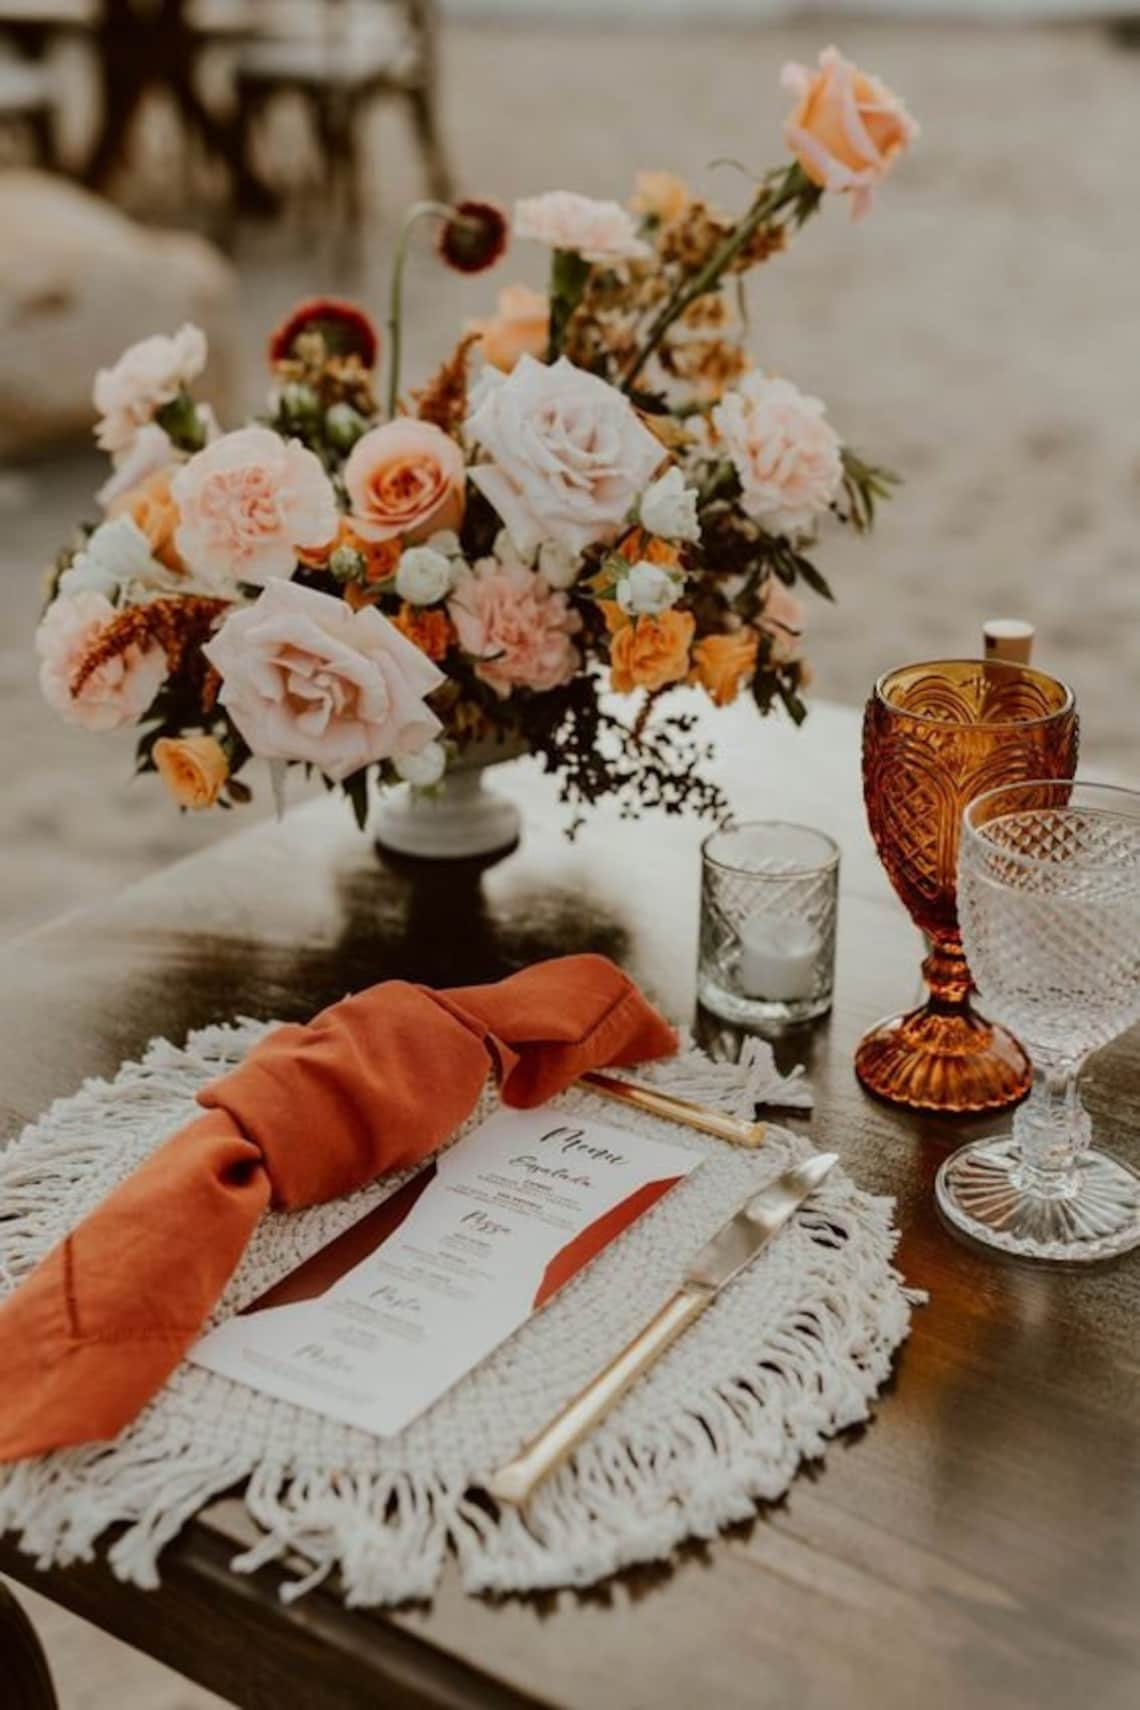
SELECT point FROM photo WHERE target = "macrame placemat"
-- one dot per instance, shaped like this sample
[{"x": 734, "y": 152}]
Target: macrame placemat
[{"x": 792, "y": 1352}]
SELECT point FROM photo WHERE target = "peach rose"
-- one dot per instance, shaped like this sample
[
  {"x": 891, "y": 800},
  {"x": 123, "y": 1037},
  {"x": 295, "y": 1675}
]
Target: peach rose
[
  {"x": 249, "y": 504},
  {"x": 117, "y": 692},
  {"x": 405, "y": 478},
  {"x": 152, "y": 509},
  {"x": 517, "y": 629},
  {"x": 193, "y": 768},
  {"x": 847, "y": 127},
  {"x": 521, "y": 327},
  {"x": 721, "y": 662},
  {"x": 306, "y": 678},
  {"x": 786, "y": 454},
  {"x": 597, "y": 231},
  {"x": 651, "y": 652}
]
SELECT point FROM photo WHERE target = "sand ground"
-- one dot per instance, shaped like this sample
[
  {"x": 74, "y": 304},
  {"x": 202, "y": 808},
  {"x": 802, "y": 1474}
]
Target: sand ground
[{"x": 980, "y": 332}]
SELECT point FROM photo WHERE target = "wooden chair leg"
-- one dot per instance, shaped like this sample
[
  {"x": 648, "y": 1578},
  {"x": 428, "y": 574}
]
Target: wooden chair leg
[
  {"x": 25, "y": 1679},
  {"x": 425, "y": 119}
]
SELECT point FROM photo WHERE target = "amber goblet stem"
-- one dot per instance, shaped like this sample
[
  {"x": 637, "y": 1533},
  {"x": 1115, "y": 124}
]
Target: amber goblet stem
[{"x": 947, "y": 975}]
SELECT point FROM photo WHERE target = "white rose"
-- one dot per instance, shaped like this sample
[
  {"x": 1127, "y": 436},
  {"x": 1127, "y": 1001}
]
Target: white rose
[
  {"x": 569, "y": 454},
  {"x": 117, "y": 552},
  {"x": 647, "y": 590},
  {"x": 423, "y": 576},
  {"x": 786, "y": 455},
  {"x": 669, "y": 508},
  {"x": 423, "y": 768},
  {"x": 146, "y": 376},
  {"x": 597, "y": 231},
  {"x": 558, "y": 565}
]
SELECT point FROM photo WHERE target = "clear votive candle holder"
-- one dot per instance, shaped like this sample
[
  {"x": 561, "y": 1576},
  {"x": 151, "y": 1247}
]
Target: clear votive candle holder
[{"x": 769, "y": 902}]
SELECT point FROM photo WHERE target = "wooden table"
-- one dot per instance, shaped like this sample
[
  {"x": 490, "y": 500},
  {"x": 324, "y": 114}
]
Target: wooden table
[{"x": 977, "y": 1545}]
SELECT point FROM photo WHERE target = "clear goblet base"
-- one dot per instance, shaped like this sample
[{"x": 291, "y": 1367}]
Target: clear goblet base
[{"x": 1090, "y": 1212}]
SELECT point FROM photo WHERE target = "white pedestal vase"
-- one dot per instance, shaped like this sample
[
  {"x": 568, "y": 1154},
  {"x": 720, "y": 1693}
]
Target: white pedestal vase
[{"x": 461, "y": 819}]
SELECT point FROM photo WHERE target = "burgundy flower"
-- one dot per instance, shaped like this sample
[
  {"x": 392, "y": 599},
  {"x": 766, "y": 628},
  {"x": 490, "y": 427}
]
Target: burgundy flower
[
  {"x": 345, "y": 328},
  {"x": 474, "y": 237}
]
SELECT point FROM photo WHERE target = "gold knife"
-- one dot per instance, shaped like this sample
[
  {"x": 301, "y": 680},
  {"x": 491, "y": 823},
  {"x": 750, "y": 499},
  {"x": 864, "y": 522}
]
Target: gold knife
[
  {"x": 737, "y": 1130},
  {"x": 733, "y": 1247}
]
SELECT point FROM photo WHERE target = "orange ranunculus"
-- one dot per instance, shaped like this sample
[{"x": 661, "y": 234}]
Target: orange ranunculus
[
  {"x": 521, "y": 327},
  {"x": 193, "y": 768},
  {"x": 651, "y": 652},
  {"x": 431, "y": 631},
  {"x": 847, "y": 127},
  {"x": 152, "y": 509},
  {"x": 721, "y": 662},
  {"x": 638, "y": 546}
]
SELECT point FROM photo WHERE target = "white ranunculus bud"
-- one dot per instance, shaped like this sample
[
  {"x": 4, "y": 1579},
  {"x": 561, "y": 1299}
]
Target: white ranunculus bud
[
  {"x": 446, "y": 540},
  {"x": 423, "y": 576},
  {"x": 423, "y": 768},
  {"x": 669, "y": 508},
  {"x": 558, "y": 565},
  {"x": 647, "y": 590},
  {"x": 508, "y": 554}
]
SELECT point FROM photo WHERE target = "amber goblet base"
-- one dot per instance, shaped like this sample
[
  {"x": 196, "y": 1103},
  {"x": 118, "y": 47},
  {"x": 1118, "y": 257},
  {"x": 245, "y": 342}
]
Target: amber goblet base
[{"x": 944, "y": 1057}]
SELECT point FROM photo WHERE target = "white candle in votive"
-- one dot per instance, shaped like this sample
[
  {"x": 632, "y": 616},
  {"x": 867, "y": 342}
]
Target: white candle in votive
[{"x": 777, "y": 957}]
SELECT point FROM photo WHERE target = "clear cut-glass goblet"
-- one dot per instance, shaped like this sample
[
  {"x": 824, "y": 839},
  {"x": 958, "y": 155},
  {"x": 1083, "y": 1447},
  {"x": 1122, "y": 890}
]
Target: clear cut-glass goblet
[{"x": 1049, "y": 903}]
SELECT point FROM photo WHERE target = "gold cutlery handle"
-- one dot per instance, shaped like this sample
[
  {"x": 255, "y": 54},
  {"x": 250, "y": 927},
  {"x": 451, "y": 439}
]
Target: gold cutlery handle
[
  {"x": 515, "y": 1481},
  {"x": 737, "y": 1130}
]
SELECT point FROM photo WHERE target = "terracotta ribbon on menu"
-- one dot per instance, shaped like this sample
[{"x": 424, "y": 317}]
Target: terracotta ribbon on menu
[{"x": 373, "y": 1084}]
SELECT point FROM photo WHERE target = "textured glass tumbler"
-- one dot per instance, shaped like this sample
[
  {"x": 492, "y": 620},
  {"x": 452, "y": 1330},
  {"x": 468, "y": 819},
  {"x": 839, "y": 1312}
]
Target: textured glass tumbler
[
  {"x": 769, "y": 900},
  {"x": 1049, "y": 895},
  {"x": 934, "y": 737}
]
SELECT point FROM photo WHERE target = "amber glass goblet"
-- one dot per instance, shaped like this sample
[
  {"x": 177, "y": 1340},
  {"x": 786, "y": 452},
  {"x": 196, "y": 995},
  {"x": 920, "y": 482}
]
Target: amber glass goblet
[{"x": 934, "y": 737}]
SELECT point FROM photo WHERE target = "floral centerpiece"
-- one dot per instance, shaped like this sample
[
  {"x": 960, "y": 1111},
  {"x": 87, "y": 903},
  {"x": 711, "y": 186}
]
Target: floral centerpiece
[{"x": 595, "y": 499}]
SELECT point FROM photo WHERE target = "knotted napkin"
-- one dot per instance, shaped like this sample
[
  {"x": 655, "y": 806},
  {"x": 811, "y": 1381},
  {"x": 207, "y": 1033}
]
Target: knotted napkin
[{"x": 373, "y": 1084}]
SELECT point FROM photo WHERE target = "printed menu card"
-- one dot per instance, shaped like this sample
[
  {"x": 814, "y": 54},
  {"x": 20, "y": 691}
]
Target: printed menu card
[{"x": 378, "y": 1324}]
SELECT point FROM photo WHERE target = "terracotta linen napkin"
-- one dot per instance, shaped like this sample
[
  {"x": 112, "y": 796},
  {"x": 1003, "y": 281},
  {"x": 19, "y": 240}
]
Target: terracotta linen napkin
[{"x": 373, "y": 1084}]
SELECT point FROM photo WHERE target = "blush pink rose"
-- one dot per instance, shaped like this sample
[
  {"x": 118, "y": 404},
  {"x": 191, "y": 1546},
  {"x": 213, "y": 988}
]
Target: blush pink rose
[
  {"x": 569, "y": 455},
  {"x": 304, "y": 677},
  {"x": 515, "y": 626},
  {"x": 405, "y": 478},
  {"x": 597, "y": 231},
  {"x": 249, "y": 504},
  {"x": 115, "y": 694},
  {"x": 785, "y": 452},
  {"x": 847, "y": 127}
]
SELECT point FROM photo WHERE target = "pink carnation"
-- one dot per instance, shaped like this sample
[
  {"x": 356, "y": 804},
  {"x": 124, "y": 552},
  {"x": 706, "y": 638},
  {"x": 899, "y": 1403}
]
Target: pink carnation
[
  {"x": 508, "y": 619},
  {"x": 118, "y": 692},
  {"x": 249, "y": 504},
  {"x": 787, "y": 455}
]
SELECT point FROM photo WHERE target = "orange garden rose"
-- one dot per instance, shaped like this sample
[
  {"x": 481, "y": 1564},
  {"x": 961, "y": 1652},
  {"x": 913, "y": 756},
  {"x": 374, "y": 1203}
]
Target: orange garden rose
[
  {"x": 193, "y": 768},
  {"x": 721, "y": 662},
  {"x": 431, "y": 631},
  {"x": 405, "y": 478},
  {"x": 151, "y": 507},
  {"x": 847, "y": 127},
  {"x": 520, "y": 328},
  {"x": 651, "y": 652}
]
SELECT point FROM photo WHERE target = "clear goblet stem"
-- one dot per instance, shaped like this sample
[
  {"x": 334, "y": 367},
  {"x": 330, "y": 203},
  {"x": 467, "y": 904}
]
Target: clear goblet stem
[{"x": 1051, "y": 1130}]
